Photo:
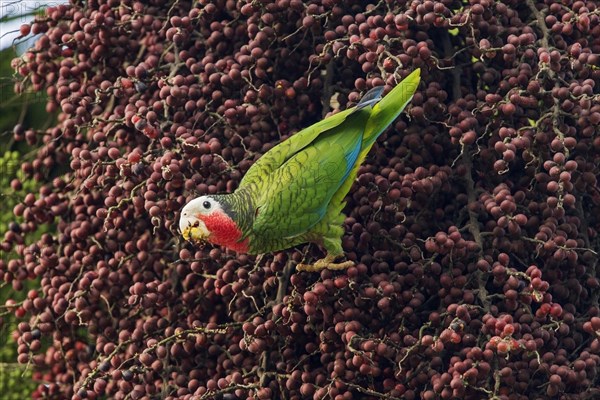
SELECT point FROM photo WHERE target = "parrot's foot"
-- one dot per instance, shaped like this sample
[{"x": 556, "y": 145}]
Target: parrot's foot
[{"x": 325, "y": 263}]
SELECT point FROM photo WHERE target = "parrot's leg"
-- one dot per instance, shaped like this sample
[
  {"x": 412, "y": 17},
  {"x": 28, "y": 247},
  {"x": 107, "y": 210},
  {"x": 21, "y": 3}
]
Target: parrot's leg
[
  {"x": 332, "y": 242},
  {"x": 325, "y": 263},
  {"x": 333, "y": 247}
]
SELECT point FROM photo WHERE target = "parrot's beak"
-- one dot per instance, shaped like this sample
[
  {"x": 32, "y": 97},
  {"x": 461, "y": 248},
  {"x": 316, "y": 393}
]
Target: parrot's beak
[{"x": 193, "y": 231}]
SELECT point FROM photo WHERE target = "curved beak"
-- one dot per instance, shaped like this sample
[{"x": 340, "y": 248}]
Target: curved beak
[{"x": 193, "y": 229}]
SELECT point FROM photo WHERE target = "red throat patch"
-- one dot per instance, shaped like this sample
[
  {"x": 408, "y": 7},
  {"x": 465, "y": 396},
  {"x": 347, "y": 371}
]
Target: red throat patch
[{"x": 224, "y": 231}]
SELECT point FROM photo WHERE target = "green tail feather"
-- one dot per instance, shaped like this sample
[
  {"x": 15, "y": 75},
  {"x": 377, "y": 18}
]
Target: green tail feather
[{"x": 388, "y": 109}]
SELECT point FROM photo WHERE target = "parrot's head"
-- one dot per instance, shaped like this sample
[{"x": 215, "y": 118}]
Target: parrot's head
[
  {"x": 210, "y": 219},
  {"x": 191, "y": 222}
]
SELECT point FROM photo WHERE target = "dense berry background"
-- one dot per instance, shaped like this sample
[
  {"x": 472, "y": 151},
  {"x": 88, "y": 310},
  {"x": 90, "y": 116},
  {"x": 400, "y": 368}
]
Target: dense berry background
[{"x": 474, "y": 221}]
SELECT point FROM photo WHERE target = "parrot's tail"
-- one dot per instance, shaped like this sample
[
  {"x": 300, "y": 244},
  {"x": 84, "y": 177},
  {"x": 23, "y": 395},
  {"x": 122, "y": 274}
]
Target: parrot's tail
[{"x": 386, "y": 110}]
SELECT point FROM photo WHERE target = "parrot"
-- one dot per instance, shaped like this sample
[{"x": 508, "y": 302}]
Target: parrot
[{"x": 294, "y": 193}]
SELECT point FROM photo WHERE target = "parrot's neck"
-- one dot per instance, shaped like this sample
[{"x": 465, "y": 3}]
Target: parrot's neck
[
  {"x": 225, "y": 232},
  {"x": 231, "y": 230}
]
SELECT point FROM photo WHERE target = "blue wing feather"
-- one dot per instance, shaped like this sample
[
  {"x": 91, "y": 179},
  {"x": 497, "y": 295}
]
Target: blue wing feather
[
  {"x": 351, "y": 157},
  {"x": 371, "y": 97}
]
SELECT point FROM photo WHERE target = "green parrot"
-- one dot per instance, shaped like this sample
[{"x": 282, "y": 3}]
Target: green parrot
[{"x": 295, "y": 192}]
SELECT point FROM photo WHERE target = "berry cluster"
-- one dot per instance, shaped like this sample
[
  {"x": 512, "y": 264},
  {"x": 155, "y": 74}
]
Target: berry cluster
[{"x": 473, "y": 222}]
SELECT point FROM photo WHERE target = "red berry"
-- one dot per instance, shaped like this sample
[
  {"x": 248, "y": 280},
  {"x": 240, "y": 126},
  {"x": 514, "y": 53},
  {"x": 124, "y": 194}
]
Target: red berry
[{"x": 503, "y": 347}]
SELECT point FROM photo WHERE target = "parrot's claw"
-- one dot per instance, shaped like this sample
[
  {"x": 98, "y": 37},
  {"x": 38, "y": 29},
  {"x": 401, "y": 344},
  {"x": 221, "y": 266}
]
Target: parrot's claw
[{"x": 325, "y": 263}]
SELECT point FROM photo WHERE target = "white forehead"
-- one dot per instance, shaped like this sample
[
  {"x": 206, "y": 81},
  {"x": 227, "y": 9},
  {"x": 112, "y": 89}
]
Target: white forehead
[{"x": 198, "y": 206}]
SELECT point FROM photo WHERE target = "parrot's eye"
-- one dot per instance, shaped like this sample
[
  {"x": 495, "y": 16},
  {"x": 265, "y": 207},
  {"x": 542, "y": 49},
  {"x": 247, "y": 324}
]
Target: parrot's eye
[{"x": 206, "y": 204}]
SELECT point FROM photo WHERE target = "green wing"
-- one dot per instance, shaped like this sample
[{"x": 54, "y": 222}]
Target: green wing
[
  {"x": 299, "y": 192},
  {"x": 278, "y": 155}
]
